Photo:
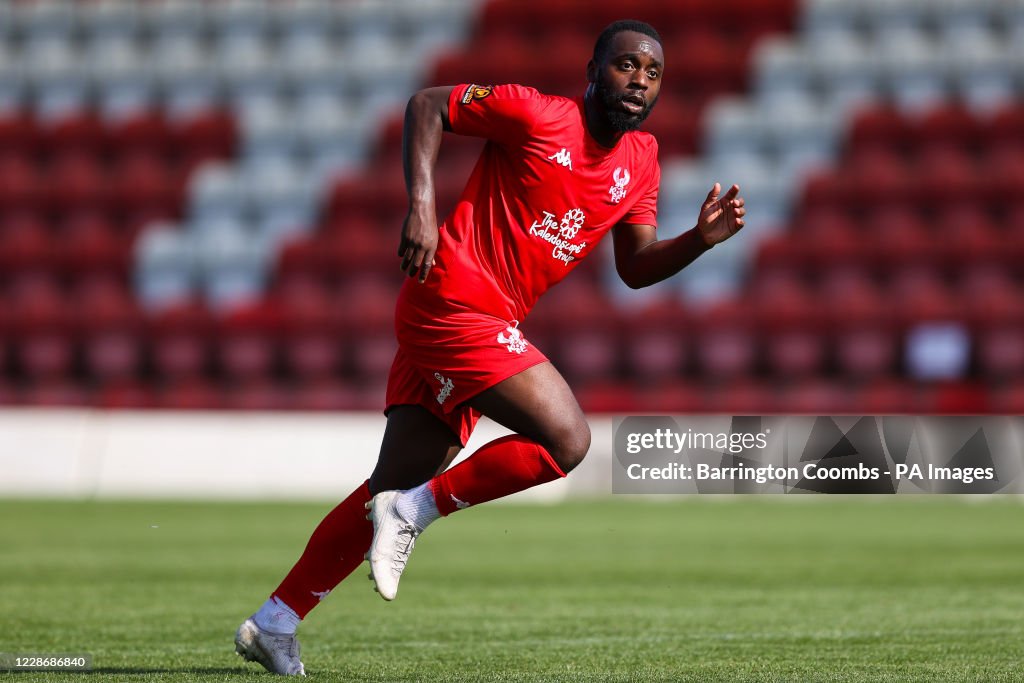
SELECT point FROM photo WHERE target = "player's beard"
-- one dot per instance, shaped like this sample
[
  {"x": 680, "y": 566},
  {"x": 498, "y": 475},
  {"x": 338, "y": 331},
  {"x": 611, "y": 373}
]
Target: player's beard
[{"x": 619, "y": 120}]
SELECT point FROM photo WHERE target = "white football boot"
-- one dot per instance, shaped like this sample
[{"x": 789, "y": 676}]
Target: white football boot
[
  {"x": 393, "y": 540},
  {"x": 278, "y": 653}
]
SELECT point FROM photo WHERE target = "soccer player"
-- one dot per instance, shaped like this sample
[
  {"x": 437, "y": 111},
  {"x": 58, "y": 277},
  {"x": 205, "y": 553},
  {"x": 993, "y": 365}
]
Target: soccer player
[{"x": 555, "y": 175}]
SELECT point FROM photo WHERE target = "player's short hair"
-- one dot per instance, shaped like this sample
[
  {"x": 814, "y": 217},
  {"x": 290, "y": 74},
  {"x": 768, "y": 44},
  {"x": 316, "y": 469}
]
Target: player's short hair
[{"x": 613, "y": 29}]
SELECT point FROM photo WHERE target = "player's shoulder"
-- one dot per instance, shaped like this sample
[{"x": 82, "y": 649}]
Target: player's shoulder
[
  {"x": 506, "y": 91},
  {"x": 643, "y": 141},
  {"x": 644, "y": 146}
]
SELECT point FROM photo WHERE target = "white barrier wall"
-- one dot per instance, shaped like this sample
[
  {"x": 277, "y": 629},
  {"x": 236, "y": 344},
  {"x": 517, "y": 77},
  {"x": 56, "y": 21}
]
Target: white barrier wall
[{"x": 127, "y": 454}]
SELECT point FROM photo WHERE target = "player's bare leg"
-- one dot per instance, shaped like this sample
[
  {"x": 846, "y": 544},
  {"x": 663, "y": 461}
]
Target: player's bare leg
[
  {"x": 552, "y": 437},
  {"x": 416, "y": 446},
  {"x": 539, "y": 405}
]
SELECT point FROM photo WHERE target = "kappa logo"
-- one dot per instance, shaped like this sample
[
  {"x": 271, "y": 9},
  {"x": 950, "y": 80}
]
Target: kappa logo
[
  {"x": 320, "y": 595},
  {"x": 514, "y": 341},
  {"x": 446, "y": 388},
  {"x": 562, "y": 157},
  {"x": 476, "y": 92},
  {"x": 618, "y": 190},
  {"x": 460, "y": 504}
]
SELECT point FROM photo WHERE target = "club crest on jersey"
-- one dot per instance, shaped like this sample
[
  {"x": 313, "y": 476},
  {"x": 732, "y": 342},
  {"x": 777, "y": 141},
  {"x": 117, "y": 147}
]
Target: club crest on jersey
[
  {"x": 514, "y": 341},
  {"x": 476, "y": 92},
  {"x": 562, "y": 157},
  {"x": 446, "y": 387},
  {"x": 618, "y": 190},
  {"x": 560, "y": 234}
]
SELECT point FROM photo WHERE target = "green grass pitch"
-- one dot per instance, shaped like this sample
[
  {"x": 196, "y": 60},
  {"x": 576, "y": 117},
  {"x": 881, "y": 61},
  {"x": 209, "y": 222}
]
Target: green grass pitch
[{"x": 702, "y": 589}]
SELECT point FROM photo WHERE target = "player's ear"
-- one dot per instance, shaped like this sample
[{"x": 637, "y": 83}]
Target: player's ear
[{"x": 591, "y": 71}]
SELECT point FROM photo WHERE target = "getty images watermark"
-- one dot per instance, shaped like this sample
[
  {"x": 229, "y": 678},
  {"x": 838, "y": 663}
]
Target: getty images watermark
[{"x": 848, "y": 454}]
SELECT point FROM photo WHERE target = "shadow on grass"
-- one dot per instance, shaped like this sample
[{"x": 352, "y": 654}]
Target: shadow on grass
[{"x": 108, "y": 670}]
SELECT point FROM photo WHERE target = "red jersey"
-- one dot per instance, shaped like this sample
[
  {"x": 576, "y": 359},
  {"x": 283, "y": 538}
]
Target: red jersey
[{"x": 540, "y": 198}]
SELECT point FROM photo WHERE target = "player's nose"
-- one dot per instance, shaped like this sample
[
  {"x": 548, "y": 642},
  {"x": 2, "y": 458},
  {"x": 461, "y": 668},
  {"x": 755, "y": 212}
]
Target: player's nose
[{"x": 639, "y": 80}]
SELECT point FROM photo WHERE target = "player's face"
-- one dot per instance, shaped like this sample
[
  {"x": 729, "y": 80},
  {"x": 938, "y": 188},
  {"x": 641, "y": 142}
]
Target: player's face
[{"x": 628, "y": 80}]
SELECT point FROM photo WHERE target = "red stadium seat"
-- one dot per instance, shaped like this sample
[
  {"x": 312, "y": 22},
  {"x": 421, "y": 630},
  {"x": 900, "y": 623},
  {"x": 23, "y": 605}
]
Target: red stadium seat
[
  {"x": 1000, "y": 352},
  {"x": 258, "y": 393},
  {"x": 78, "y": 182},
  {"x": 725, "y": 347},
  {"x": 946, "y": 175},
  {"x": 247, "y": 342},
  {"x": 609, "y": 397},
  {"x": 361, "y": 248},
  {"x": 77, "y": 134},
  {"x": 1004, "y": 169},
  {"x": 25, "y": 244},
  {"x": 864, "y": 337},
  {"x": 676, "y": 124},
  {"x": 888, "y": 396},
  {"x": 326, "y": 394},
  {"x": 900, "y": 237},
  {"x": 953, "y": 124},
  {"x": 1006, "y": 129},
  {"x": 205, "y": 136},
  {"x": 180, "y": 340},
  {"x": 921, "y": 294},
  {"x": 788, "y": 324},
  {"x": 191, "y": 394},
  {"x": 742, "y": 396},
  {"x": 18, "y": 134},
  {"x": 312, "y": 329},
  {"x": 813, "y": 397},
  {"x": 111, "y": 329},
  {"x": 147, "y": 133},
  {"x": 960, "y": 398},
  {"x": 143, "y": 183},
  {"x": 881, "y": 125},
  {"x": 657, "y": 340},
  {"x": 1008, "y": 399},
  {"x": 21, "y": 185},
  {"x": 879, "y": 179},
  {"x": 113, "y": 354},
  {"x": 129, "y": 393},
  {"x": 43, "y": 325},
  {"x": 53, "y": 392},
  {"x": 89, "y": 243}
]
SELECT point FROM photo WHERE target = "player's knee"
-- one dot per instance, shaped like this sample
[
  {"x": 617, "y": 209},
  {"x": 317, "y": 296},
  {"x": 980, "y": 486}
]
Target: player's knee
[{"x": 571, "y": 446}]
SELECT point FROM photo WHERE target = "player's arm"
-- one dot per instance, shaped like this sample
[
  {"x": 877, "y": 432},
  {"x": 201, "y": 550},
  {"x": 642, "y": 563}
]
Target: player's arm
[
  {"x": 426, "y": 119},
  {"x": 641, "y": 259}
]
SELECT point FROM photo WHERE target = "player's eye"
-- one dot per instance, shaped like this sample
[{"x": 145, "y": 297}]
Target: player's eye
[{"x": 652, "y": 74}]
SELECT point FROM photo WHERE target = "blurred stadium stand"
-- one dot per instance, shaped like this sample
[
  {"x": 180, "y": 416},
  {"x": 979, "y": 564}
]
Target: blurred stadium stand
[{"x": 200, "y": 201}]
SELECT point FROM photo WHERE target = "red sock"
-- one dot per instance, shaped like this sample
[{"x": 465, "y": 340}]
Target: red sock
[
  {"x": 334, "y": 550},
  {"x": 500, "y": 468}
]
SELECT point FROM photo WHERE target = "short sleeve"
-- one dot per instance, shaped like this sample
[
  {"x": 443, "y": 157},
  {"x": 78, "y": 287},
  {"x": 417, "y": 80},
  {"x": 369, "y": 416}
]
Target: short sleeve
[
  {"x": 503, "y": 113},
  {"x": 645, "y": 211}
]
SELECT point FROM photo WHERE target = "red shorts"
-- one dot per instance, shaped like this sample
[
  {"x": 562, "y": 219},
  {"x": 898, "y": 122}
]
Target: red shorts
[{"x": 444, "y": 359}]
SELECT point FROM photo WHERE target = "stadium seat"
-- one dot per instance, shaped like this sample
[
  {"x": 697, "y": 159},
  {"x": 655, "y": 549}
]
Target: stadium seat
[
  {"x": 724, "y": 345},
  {"x": 90, "y": 243},
  {"x": 246, "y": 344},
  {"x": 21, "y": 185},
  {"x": 191, "y": 394},
  {"x": 179, "y": 341},
  {"x": 25, "y": 244},
  {"x": 657, "y": 339},
  {"x": 257, "y": 394},
  {"x": 323, "y": 394}
]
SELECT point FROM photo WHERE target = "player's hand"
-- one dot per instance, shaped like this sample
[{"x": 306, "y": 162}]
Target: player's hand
[
  {"x": 419, "y": 243},
  {"x": 721, "y": 218}
]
